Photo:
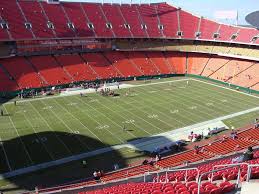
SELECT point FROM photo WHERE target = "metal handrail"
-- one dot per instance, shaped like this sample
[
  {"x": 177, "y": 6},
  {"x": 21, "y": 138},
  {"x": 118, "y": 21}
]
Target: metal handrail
[
  {"x": 226, "y": 165},
  {"x": 205, "y": 173},
  {"x": 183, "y": 169},
  {"x": 250, "y": 166}
]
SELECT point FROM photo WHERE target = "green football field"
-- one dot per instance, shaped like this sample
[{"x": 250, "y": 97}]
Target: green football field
[{"x": 42, "y": 130}]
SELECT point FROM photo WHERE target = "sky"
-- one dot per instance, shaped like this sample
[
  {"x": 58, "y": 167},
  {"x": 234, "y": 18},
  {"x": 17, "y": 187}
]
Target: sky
[{"x": 205, "y": 8}]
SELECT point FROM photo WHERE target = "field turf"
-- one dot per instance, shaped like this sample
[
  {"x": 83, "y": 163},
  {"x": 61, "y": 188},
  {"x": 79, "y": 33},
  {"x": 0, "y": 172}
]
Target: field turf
[{"x": 42, "y": 130}]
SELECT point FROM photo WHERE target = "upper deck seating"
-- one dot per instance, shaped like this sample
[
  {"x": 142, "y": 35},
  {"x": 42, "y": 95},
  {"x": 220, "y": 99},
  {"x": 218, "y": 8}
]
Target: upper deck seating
[
  {"x": 188, "y": 24},
  {"x": 114, "y": 16},
  {"x": 56, "y": 15},
  {"x": 150, "y": 19},
  {"x": 168, "y": 18},
  {"x": 78, "y": 18},
  {"x": 130, "y": 13},
  {"x": 208, "y": 28},
  {"x": 10, "y": 13},
  {"x": 36, "y": 17},
  {"x": 97, "y": 18}
]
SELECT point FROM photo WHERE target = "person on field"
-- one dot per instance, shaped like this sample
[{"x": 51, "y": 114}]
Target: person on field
[
  {"x": 2, "y": 112},
  {"x": 84, "y": 164}
]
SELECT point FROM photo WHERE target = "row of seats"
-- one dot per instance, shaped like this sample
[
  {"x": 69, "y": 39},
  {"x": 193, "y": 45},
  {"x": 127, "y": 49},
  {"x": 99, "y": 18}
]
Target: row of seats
[
  {"x": 245, "y": 139},
  {"x": 37, "y": 19},
  {"x": 235, "y": 71},
  {"x": 248, "y": 137},
  {"x": 40, "y": 71},
  {"x": 166, "y": 188}
]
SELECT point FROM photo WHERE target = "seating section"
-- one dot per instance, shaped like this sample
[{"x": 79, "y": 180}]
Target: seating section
[
  {"x": 197, "y": 63},
  {"x": 50, "y": 70},
  {"x": 231, "y": 69},
  {"x": 10, "y": 13},
  {"x": 150, "y": 18},
  {"x": 177, "y": 62},
  {"x": 6, "y": 83},
  {"x": 60, "y": 23},
  {"x": 208, "y": 28},
  {"x": 159, "y": 20},
  {"x": 76, "y": 67},
  {"x": 226, "y": 32},
  {"x": 158, "y": 59},
  {"x": 247, "y": 78},
  {"x": 167, "y": 188},
  {"x": 214, "y": 65},
  {"x": 22, "y": 72},
  {"x": 192, "y": 27},
  {"x": 77, "y": 16},
  {"x": 113, "y": 15},
  {"x": 96, "y": 17},
  {"x": 143, "y": 63},
  {"x": 36, "y": 17},
  {"x": 123, "y": 64},
  {"x": 168, "y": 17},
  {"x": 131, "y": 16},
  {"x": 39, "y": 71},
  {"x": 100, "y": 65}
]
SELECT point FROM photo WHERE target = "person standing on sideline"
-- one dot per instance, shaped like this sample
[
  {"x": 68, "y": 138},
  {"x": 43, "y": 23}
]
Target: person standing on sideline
[
  {"x": 124, "y": 128},
  {"x": 2, "y": 112}
]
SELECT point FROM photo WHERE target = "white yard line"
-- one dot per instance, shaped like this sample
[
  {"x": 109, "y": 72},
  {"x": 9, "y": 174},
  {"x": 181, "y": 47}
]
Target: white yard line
[
  {"x": 60, "y": 140},
  {"x": 6, "y": 157},
  {"x": 225, "y": 88},
  {"x": 233, "y": 97},
  {"x": 69, "y": 128},
  {"x": 36, "y": 134},
  {"x": 24, "y": 147},
  {"x": 138, "y": 107},
  {"x": 125, "y": 109},
  {"x": 94, "y": 121},
  {"x": 183, "y": 104},
  {"x": 120, "y": 126},
  {"x": 114, "y": 135},
  {"x": 78, "y": 121}
]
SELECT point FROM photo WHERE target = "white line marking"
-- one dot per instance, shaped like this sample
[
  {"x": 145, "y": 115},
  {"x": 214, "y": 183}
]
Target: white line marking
[
  {"x": 69, "y": 128},
  {"x": 6, "y": 157},
  {"x": 25, "y": 149},
  {"x": 89, "y": 115},
  {"x": 43, "y": 119},
  {"x": 225, "y": 88}
]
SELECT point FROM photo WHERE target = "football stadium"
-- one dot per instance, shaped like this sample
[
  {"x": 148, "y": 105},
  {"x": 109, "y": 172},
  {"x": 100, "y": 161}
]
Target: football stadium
[{"x": 136, "y": 97}]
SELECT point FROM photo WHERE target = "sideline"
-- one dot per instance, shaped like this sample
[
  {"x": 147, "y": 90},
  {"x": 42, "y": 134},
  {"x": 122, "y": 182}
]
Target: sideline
[{"x": 91, "y": 90}]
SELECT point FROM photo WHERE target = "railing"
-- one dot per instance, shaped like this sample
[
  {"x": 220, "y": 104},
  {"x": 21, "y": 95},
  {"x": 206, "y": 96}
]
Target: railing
[
  {"x": 220, "y": 169},
  {"x": 167, "y": 171},
  {"x": 249, "y": 170},
  {"x": 230, "y": 166}
]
